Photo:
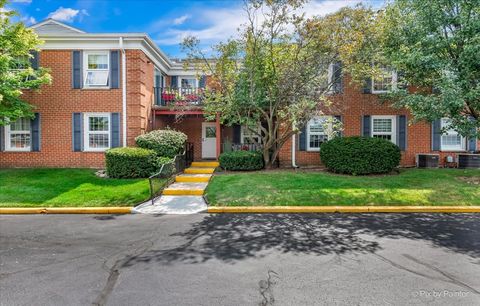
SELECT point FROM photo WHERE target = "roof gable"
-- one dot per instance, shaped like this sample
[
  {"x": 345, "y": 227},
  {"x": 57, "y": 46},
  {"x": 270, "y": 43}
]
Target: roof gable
[{"x": 51, "y": 26}]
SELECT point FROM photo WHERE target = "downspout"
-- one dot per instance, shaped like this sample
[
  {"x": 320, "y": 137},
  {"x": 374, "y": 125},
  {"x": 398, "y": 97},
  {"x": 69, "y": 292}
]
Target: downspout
[
  {"x": 124, "y": 94},
  {"x": 294, "y": 147}
]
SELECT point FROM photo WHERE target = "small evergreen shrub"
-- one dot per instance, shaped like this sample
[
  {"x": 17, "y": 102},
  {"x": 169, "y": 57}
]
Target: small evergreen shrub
[
  {"x": 360, "y": 155},
  {"x": 241, "y": 160},
  {"x": 167, "y": 143},
  {"x": 131, "y": 162}
]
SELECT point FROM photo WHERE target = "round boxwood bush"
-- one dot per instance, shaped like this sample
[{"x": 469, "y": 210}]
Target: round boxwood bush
[
  {"x": 360, "y": 155},
  {"x": 241, "y": 160},
  {"x": 131, "y": 162},
  {"x": 166, "y": 143}
]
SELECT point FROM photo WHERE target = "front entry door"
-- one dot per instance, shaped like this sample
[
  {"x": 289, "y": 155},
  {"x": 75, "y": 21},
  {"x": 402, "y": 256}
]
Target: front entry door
[{"x": 209, "y": 140}]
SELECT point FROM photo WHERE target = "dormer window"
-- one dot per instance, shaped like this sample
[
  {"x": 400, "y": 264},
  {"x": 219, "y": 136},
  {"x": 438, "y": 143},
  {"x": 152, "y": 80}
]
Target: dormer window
[{"x": 96, "y": 68}]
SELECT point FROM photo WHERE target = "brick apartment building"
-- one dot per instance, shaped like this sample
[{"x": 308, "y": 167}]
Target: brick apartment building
[{"x": 109, "y": 88}]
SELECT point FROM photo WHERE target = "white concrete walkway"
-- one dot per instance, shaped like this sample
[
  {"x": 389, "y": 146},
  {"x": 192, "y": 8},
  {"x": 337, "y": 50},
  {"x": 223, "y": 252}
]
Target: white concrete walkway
[{"x": 185, "y": 196}]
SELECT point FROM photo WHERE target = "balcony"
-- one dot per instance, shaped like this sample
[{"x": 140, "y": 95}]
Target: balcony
[
  {"x": 228, "y": 146},
  {"x": 178, "y": 97}
]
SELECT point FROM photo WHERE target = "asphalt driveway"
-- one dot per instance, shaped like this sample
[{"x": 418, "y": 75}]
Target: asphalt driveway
[{"x": 326, "y": 259}]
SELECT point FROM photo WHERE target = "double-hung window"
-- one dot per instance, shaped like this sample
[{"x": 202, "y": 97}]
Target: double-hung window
[
  {"x": 96, "y": 131},
  {"x": 450, "y": 139},
  {"x": 18, "y": 135},
  {"x": 188, "y": 82},
  {"x": 317, "y": 132},
  {"x": 385, "y": 82},
  {"x": 188, "y": 85},
  {"x": 384, "y": 127},
  {"x": 96, "y": 68},
  {"x": 250, "y": 135}
]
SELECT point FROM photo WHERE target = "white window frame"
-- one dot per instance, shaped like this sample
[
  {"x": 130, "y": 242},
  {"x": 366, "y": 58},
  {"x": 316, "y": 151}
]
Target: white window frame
[
  {"x": 463, "y": 142},
  {"x": 394, "y": 82},
  {"x": 393, "y": 133},
  {"x": 187, "y": 78},
  {"x": 330, "y": 78},
  {"x": 8, "y": 135},
  {"x": 325, "y": 118},
  {"x": 86, "y": 70},
  {"x": 243, "y": 136},
  {"x": 87, "y": 133}
]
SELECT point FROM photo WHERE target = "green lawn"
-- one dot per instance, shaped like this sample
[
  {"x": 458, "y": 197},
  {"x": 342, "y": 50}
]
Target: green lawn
[
  {"x": 67, "y": 187},
  {"x": 410, "y": 187}
]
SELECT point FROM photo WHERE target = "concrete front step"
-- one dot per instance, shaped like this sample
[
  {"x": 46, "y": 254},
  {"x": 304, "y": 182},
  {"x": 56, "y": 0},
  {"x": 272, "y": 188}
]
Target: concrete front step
[
  {"x": 173, "y": 205},
  {"x": 185, "y": 189},
  {"x": 199, "y": 170},
  {"x": 212, "y": 164},
  {"x": 193, "y": 178}
]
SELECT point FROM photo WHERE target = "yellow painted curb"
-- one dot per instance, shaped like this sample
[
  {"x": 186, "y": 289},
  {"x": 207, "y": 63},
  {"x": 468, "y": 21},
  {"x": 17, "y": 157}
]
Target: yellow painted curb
[
  {"x": 205, "y": 164},
  {"x": 182, "y": 192},
  {"x": 66, "y": 210},
  {"x": 192, "y": 179},
  {"x": 344, "y": 209},
  {"x": 199, "y": 170}
]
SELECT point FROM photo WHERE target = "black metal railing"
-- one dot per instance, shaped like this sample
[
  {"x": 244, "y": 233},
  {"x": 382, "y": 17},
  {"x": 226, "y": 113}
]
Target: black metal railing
[
  {"x": 166, "y": 175},
  {"x": 173, "y": 96}
]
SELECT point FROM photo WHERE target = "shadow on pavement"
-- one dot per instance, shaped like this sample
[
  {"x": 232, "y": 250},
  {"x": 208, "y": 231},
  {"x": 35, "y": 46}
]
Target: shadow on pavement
[{"x": 232, "y": 237}]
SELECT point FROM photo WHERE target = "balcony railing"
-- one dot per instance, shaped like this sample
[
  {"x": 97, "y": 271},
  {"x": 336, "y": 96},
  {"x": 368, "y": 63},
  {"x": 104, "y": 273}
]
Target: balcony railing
[
  {"x": 229, "y": 147},
  {"x": 173, "y": 96}
]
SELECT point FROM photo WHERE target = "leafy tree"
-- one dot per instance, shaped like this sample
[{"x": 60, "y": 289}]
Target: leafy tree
[
  {"x": 275, "y": 72},
  {"x": 437, "y": 45},
  {"x": 16, "y": 73}
]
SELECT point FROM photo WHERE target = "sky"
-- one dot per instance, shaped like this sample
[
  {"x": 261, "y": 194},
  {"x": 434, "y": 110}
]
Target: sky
[{"x": 167, "y": 22}]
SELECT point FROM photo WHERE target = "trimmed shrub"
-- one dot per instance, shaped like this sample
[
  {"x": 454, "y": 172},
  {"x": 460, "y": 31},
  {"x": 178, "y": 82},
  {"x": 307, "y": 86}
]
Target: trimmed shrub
[
  {"x": 167, "y": 143},
  {"x": 360, "y": 155},
  {"x": 131, "y": 162},
  {"x": 241, "y": 160}
]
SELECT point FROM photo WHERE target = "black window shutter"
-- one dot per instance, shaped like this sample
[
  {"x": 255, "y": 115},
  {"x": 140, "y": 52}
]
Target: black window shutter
[
  {"x": 203, "y": 81},
  {"x": 237, "y": 130},
  {"x": 401, "y": 82},
  {"x": 174, "y": 81},
  {"x": 367, "y": 86},
  {"x": 339, "y": 119},
  {"x": 34, "y": 60},
  {"x": 115, "y": 130},
  {"x": 302, "y": 139},
  {"x": 472, "y": 142},
  {"x": 77, "y": 69},
  {"x": 402, "y": 132},
  {"x": 436, "y": 134},
  {"x": 337, "y": 78},
  {"x": 114, "y": 69},
  {"x": 2, "y": 138},
  {"x": 366, "y": 126},
  {"x": 35, "y": 133},
  {"x": 77, "y": 132}
]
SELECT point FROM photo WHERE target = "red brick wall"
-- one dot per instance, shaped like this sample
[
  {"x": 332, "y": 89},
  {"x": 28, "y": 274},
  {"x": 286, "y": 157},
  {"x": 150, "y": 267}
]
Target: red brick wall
[
  {"x": 352, "y": 105},
  {"x": 57, "y": 102},
  {"x": 140, "y": 81}
]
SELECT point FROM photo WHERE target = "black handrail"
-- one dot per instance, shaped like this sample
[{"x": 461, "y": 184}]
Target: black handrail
[{"x": 165, "y": 176}]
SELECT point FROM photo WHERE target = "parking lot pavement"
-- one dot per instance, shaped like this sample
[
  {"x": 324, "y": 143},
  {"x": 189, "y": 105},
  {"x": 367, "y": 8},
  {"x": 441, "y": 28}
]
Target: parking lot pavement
[{"x": 309, "y": 259}]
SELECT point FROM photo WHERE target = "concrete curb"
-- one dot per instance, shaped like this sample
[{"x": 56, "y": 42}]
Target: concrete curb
[
  {"x": 66, "y": 210},
  {"x": 342, "y": 209}
]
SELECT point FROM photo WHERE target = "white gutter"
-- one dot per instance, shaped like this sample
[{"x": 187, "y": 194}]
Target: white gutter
[
  {"x": 294, "y": 147},
  {"x": 124, "y": 93}
]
